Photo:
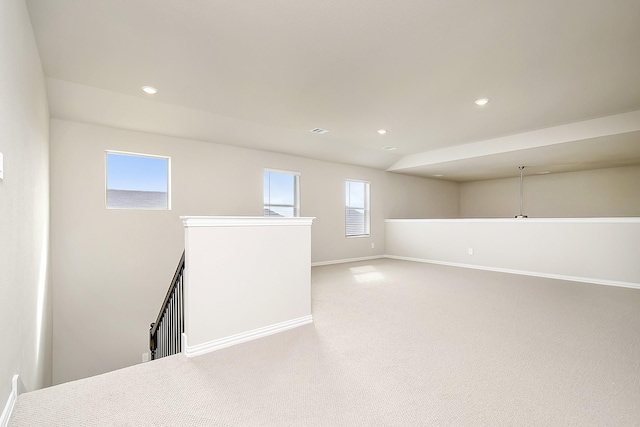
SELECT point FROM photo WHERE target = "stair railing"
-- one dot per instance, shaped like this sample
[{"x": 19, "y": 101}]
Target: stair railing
[{"x": 165, "y": 334}]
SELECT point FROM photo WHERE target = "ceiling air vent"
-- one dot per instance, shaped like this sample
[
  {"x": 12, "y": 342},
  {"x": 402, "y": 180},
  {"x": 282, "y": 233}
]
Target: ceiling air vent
[{"x": 318, "y": 130}]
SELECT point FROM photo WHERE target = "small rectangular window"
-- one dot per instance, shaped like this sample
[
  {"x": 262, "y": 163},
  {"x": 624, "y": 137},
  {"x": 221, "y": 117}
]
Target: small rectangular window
[
  {"x": 137, "y": 181},
  {"x": 281, "y": 193},
  {"x": 357, "y": 215}
]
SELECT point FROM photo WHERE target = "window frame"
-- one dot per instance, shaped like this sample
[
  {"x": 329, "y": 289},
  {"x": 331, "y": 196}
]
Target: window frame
[
  {"x": 367, "y": 208},
  {"x": 296, "y": 192},
  {"x": 130, "y": 153}
]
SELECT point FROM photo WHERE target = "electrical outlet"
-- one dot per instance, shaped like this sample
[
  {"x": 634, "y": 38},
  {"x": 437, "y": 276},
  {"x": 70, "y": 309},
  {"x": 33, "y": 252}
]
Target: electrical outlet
[
  {"x": 470, "y": 251},
  {"x": 145, "y": 357},
  {"x": 373, "y": 246}
]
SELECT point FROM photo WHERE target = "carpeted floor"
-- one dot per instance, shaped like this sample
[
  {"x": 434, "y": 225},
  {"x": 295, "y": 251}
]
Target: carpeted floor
[{"x": 394, "y": 343}]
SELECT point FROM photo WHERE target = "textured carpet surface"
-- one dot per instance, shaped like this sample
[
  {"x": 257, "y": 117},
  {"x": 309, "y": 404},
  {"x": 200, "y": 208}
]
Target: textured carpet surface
[{"x": 393, "y": 343}]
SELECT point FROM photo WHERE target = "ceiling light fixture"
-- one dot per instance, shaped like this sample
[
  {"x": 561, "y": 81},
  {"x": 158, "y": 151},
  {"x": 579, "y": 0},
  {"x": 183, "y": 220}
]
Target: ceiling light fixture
[
  {"x": 382, "y": 131},
  {"x": 438, "y": 175},
  {"x": 389, "y": 148},
  {"x": 482, "y": 101},
  {"x": 150, "y": 90}
]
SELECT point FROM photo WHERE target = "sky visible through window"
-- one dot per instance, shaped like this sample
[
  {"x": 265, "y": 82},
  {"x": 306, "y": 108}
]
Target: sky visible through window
[
  {"x": 137, "y": 181},
  {"x": 280, "y": 194},
  {"x": 355, "y": 194},
  {"x": 136, "y": 173},
  {"x": 357, "y": 208},
  {"x": 279, "y": 188}
]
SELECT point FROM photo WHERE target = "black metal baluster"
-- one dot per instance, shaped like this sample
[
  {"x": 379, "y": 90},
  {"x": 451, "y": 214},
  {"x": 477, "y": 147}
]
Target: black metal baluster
[
  {"x": 165, "y": 335},
  {"x": 180, "y": 316},
  {"x": 171, "y": 325}
]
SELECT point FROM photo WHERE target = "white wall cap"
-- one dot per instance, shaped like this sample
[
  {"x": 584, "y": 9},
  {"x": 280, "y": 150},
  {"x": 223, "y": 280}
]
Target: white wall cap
[
  {"x": 625, "y": 220},
  {"x": 243, "y": 221}
]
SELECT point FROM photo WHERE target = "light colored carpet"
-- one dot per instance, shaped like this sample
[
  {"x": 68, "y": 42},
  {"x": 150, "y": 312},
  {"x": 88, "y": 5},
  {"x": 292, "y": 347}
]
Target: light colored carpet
[{"x": 394, "y": 343}]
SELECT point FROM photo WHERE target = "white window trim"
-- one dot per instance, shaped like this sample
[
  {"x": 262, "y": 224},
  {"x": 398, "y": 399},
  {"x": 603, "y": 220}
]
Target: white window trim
[
  {"x": 131, "y": 153},
  {"x": 297, "y": 186},
  {"x": 281, "y": 171},
  {"x": 359, "y": 236}
]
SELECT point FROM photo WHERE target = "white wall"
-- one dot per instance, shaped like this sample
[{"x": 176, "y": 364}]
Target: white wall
[
  {"x": 245, "y": 277},
  {"x": 25, "y": 314},
  {"x": 111, "y": 268},
  {"x": 598, "y": 250},
  {"x": 595, "y": 193},
  {"x": 414, "y": 197}
]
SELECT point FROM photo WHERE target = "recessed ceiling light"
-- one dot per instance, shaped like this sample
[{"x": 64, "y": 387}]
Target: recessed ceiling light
[
  {"x": 382, "y": 131},
  {"x": 150, "y": 90},
  {"x": 389, "y": 148},
  {"x": 482, "y": 101}
]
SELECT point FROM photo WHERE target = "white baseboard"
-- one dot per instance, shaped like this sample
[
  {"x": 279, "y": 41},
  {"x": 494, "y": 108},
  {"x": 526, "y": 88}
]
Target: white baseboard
[
  {"x": 200, "y": 349},
  {"x": 342, "y": 261},
  {"x": 11, "y": 403},
  {"x": 523, "y": 272}
]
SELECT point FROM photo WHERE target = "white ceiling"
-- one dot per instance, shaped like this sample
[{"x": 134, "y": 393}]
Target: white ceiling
[{"x": 262, "y": 73}]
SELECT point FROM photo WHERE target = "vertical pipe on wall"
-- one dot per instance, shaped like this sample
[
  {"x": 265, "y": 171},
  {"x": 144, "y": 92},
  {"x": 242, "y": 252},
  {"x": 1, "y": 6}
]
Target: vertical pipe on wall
[{"x": 521, "y": 192}]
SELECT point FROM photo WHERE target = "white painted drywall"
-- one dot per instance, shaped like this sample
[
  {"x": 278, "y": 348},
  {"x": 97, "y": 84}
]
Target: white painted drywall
[
  {"x": 596, "y": 250},
  {"x": 244, "y": 274},
  {"x": 111, "y": 268},
  {"x": 414, "y": 197},
  {"x": 25, "y": 288},
  {"x": 596, "y": 193}
]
